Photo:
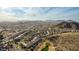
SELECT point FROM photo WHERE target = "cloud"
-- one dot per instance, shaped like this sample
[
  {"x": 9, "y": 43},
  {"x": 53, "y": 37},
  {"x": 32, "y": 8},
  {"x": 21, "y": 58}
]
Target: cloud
[
  {"x": 39, "y": 13},
  {"x": 4, "y": 17}
]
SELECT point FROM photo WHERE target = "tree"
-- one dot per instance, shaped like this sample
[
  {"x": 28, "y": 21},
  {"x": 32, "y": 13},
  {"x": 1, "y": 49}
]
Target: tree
[{"x": 1, "y": 38}]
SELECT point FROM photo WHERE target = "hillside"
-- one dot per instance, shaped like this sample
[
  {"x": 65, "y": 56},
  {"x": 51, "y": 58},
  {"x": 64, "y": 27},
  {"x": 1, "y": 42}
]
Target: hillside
[
  {"x": 67, "y": 24},
  {"x": 64, "y": 42},
  {"x": 68, "y": 42}
]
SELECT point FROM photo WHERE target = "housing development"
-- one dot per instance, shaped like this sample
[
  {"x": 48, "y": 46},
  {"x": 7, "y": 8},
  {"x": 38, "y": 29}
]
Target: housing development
[{"x": 39, "y": 36}]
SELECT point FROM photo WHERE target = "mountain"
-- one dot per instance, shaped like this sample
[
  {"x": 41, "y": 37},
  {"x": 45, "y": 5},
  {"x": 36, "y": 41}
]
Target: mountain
[{"x": 68, "y": 24}]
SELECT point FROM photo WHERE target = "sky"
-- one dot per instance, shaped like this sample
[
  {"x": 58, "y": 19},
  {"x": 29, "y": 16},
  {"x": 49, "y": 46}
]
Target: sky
[{"x": 38, "y": 13}]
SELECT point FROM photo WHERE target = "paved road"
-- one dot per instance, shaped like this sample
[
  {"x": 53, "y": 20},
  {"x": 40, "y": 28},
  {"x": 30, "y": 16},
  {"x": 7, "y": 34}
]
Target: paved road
[
  {"x": 17, "y": 35},
  {"x": 33, "y": 41}
]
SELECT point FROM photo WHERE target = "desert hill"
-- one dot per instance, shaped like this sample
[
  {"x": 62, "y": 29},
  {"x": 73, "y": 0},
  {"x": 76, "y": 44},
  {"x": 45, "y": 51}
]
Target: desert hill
[{"x": 67, "y": 24}]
